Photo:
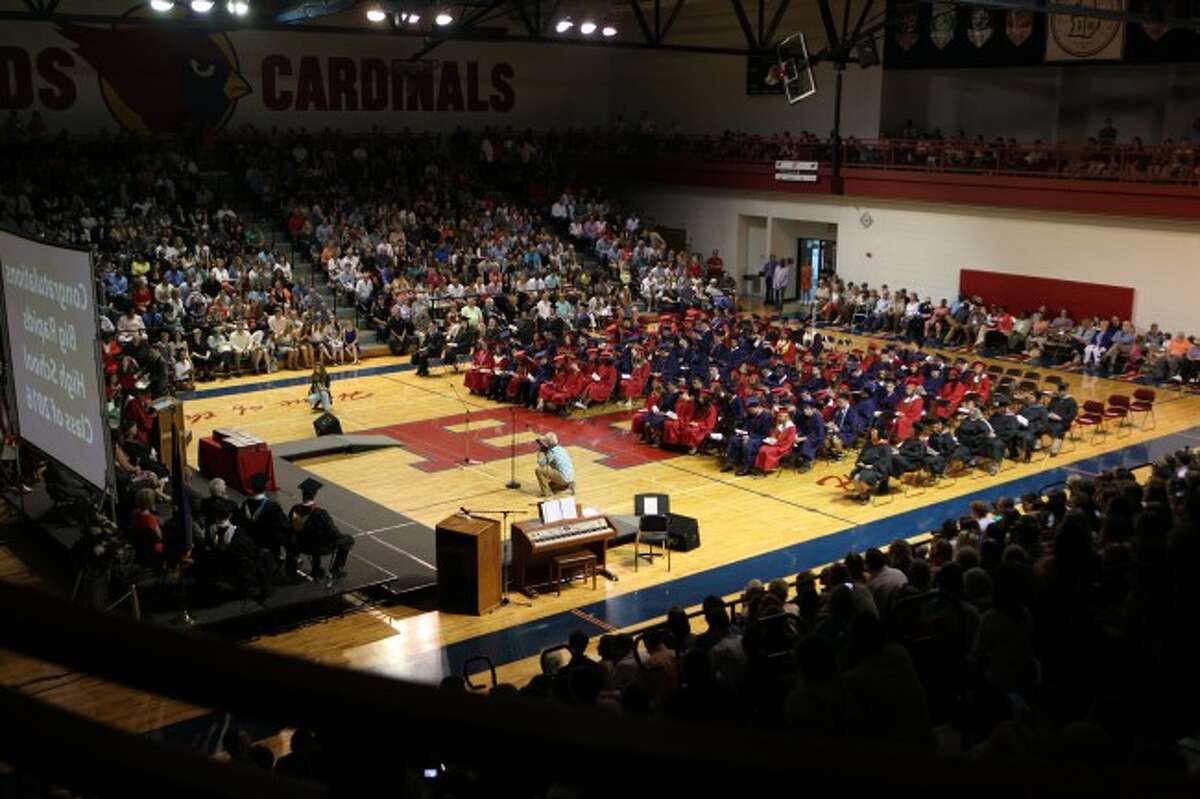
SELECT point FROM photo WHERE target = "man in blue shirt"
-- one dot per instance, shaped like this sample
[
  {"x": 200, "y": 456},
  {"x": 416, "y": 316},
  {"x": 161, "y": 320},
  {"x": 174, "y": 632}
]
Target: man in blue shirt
[{"x": 554, "y": 471}]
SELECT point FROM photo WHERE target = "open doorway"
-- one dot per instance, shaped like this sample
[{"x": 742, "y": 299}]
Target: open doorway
[{"x": 816, "y": 259}]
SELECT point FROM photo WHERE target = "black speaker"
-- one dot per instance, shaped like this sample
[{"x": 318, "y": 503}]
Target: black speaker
[
  {"x": 327, "y": 425},
  {"x": 683, "y": 533}
]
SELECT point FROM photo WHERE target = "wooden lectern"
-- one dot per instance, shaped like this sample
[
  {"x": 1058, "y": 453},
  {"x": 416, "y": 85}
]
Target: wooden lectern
[
  {"x": 169, "y": 433},
  {"x": 468, "y": 564}
]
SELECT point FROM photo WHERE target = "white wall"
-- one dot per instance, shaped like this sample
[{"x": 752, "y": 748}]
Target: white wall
[
  {"x": 1152, "y": 101},
  {"x": 923, "y": 246},
  {"x": 707, "y": 94}
]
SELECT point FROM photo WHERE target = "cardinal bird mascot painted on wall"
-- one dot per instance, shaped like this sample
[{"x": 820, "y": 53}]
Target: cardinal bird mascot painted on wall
[{"x": 158, "y": 79}]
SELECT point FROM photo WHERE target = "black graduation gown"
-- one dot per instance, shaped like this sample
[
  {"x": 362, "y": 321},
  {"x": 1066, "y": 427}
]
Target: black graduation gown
[
  {"x": 874, "y": 464},
  {"x": 1067, "y": 409}
]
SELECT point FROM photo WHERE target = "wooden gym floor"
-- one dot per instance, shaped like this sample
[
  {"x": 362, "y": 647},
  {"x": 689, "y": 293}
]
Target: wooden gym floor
[{"x": 761, "y": 527}]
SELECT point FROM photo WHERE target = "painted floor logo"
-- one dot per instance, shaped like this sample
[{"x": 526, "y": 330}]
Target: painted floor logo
[{"x": 442, "y": 442}]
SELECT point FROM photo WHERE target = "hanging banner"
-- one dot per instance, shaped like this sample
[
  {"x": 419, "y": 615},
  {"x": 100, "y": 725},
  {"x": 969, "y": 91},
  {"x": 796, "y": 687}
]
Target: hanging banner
[
  {"x": 943, "y": 23},
  {"x": 1018, "y": 26},
  {"x": 1072, "y": 37},
  {"x": 980, "y": 27}
]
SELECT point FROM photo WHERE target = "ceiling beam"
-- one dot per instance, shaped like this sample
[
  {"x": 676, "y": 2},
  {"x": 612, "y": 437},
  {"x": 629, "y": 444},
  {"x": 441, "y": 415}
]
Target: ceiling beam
[
  {"x": 831, "y": 34},
  {"x": 636, "y": 7},
  {"x": 780, "y": 10},
  {"x": 662, "y": 35},
  {"x": 744, "y": 21}
]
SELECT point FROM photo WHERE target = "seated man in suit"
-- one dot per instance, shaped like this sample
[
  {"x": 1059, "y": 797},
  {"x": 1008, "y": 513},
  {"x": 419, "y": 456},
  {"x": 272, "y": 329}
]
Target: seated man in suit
[
  {"x": 265, "y": 521},
  {"x": 240, "y": 560}
]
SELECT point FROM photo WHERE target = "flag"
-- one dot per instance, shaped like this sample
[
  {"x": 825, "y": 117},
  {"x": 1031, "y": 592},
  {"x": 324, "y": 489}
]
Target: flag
[
  {"x": 179, "y": 492},
  {"x": 1019, "y": 26},
  {"x": 942, "y": 23},
  {"x": 979, "y": 28}
]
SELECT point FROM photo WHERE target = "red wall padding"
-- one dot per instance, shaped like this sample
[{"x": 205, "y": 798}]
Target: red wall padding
[{"x": 1022, "y": 293}]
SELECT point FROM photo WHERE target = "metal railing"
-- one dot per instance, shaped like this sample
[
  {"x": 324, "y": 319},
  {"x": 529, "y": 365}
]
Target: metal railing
[
  {"x": 382, "y": 725},
  {"x": 1170, "y": 163}
]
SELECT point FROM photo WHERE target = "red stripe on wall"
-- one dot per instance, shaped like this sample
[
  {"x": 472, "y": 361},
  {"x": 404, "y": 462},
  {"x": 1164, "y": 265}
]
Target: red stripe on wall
[{"x": 1023, "y": 293}]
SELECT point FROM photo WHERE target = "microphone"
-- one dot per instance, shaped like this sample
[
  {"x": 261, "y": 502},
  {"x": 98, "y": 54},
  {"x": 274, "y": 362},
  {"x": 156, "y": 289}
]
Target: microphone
[{"x": 464, "y": 512}]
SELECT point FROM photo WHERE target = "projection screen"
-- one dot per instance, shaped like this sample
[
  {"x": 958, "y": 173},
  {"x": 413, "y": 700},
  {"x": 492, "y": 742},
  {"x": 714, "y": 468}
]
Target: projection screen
[{"x": 50, "y": 316}]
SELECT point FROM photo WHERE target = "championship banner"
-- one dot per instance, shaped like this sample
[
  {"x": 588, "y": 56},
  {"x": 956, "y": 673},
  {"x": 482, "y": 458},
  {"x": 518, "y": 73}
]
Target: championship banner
[{"x": 1071, "y": 37}]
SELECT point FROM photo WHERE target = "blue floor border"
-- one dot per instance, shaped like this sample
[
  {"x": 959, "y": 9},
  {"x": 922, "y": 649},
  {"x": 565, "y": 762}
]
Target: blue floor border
[
  {"x": 298, "y": 380},
  {"x": 525, "y": 640}
]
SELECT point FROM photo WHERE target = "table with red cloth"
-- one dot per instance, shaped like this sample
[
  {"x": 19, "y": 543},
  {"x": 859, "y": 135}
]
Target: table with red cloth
[{"x": 235, "y": 459}]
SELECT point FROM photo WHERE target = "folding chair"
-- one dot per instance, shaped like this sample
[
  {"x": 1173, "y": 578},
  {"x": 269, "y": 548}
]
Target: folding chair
[
  {"x": 1143, "y": 403},
  {"x": 1034, "y": 376},
  {"x": 1013, "y": 372},
  {"x": 653, "y": 512},
  {"x": 994, "y": 370},
  {"x": 1092, "y": 416},
  {"x": 1118, "y": 408}
]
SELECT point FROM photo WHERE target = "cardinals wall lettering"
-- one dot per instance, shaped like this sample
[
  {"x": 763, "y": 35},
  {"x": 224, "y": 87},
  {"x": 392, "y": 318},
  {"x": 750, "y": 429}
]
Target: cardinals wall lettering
[
  {"x": 156, "y": 79},
  {"x": 373, "y": 84},
  {"x": 160, "y": 80}
]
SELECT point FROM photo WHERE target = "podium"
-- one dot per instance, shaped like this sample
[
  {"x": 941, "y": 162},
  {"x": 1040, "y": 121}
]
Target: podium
[
  {"x": 468, "y": 564},
  {"x": 169, "y": 434}
]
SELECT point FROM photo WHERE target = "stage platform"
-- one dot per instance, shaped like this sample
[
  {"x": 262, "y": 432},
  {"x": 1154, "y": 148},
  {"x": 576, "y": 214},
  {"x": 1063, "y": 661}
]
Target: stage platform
[{"x": 391, "y": 551}]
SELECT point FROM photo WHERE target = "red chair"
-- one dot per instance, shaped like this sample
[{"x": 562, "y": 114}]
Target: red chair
[
  {"x": 1143, "y": 403},
  {"x": 1118, "y": 408},
  {"x": 1092, "y": 416}
]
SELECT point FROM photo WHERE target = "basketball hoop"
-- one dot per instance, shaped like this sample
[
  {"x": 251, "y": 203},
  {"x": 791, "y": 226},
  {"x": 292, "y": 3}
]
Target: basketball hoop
[{"x": 793, "y": 70}]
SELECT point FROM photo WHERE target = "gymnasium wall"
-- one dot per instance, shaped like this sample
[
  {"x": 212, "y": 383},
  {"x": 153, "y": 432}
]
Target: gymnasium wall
[
  {"x": 147, "y": 78},
  {"x": 150, "y": 77},
  {"x": 1154, "y": 102},
  {"x": 707, "y": 94},
  {"x": 923, "y": 246}
]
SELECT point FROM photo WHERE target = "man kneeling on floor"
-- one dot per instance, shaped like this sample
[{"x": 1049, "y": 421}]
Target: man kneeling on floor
[{"x": 554, "y": 471}]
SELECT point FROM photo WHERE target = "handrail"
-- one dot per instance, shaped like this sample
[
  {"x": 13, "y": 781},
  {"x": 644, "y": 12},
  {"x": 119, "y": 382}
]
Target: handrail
[
  {"x": 64, "y": 748},
  {"x": 376, "y": 718}
]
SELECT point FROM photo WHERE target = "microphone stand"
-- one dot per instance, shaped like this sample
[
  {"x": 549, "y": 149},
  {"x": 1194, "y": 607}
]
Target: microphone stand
[
  {"x": 506, "y": 535},
  {"x": 512, "y": 452},
  {"x": 467, "y": 459}
]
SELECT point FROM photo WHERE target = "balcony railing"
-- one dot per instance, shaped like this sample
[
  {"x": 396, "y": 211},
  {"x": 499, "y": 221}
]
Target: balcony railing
[{"x": 1171, "y": 162}]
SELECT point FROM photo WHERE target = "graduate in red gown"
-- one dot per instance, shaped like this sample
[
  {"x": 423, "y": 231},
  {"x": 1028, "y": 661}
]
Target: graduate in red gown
[
  {"x": 479, "y": 375},
  {"x": 952, "y": 392},
  {"x": 638, "y": 423},
  {"x": 564, "y": 389},
  {"x": 980, "y": 382},
  {"x": 778, "y": 444},
  {"x": 702, "y": 423},
  {"x": 678, "y": 418},
  {"x": 910, "y": 408},
  {"x": 634, "y": 383},
  {"x": 602, "y": 380}
]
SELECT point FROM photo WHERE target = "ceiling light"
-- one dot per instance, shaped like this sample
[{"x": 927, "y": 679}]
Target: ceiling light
[
  {"x": 608, "y": 30},
  {"x": 587, "y": 28},
  {"x": 376, "y": 15},
  {"x": 202, "y": 6},
  {"x": 413, "y": 19},
  {"x": 443, "y": 18},
  {"x": 162, "y": 5},
  {"x": 563, "y": 25},
  {"x": 238, "y": 8}
]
